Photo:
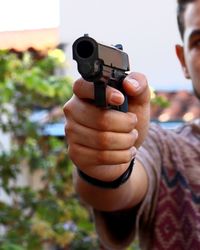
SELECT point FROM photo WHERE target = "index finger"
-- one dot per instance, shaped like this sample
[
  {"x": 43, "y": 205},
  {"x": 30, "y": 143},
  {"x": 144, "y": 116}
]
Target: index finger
[{"x": 85, "y": 90}]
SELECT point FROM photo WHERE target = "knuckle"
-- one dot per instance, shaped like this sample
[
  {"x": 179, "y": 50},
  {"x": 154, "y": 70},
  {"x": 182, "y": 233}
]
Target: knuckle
[
  {"x": 71, "y": 134},
  {"x": 132, "y": 120},
  {"x": 75, "y": 86},
  {"x": 72, "y": 153},
  {"x": 103, "y": 140},
  {"x": 134, "y": 135},
  {"x": 103, "y": 157},
  {"x": 66, "y": 108},
  {"x": 130, "y": 141},
  {"x": 103, "y": 122},
  {"x": 68, "y": 129},
  {"x": 126, "y": 156}
]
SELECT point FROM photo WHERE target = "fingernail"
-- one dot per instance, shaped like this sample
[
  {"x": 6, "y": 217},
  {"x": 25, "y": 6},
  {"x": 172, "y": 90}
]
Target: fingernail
[
  {"x": 133, "y": 151},
  {"x": 135, "y": 133},
  {"x": 134, "y": 82},
  {"x": 116, "y": 98}
]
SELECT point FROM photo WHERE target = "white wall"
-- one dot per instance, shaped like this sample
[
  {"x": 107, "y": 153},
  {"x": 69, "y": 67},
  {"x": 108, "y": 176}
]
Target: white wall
[
  {"x": 27, "y": 15},
  {"x": 146, "y": 28}
]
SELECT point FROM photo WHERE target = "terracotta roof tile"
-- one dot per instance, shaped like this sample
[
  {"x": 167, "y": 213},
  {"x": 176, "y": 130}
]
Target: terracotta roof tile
[
  {"x": 21, "y": 40},
  {"x": 183, "y": 106}
]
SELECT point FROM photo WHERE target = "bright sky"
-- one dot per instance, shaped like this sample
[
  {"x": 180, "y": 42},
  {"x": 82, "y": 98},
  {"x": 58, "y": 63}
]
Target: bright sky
[{"x": 28, "y": 14}]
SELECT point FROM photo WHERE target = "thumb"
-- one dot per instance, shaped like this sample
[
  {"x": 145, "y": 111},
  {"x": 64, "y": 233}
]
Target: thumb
[{"x": 136, "y": 87}]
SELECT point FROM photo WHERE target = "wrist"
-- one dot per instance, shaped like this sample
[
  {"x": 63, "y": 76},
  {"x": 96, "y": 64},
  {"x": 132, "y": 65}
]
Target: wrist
[{"x": 108, "y": 184}]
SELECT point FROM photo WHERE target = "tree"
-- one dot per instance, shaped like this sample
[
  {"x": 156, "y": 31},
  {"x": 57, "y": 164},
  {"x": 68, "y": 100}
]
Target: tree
[{"x": 49, "y": 214}]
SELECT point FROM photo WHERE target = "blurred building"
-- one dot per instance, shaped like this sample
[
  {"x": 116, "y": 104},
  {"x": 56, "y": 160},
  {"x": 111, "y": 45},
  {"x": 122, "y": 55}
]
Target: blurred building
[
  {"x": 182, "y": 106},
  {"x": 25, "y": 24},
  {"x": 40, "y": 39}
]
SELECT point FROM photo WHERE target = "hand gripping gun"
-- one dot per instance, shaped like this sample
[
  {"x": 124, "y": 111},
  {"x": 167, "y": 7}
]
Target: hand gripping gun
[{"x": 103, "y": 65}]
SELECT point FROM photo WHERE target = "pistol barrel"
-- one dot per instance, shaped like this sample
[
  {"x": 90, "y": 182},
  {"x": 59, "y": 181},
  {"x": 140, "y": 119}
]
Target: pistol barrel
[{"x": 91, "y": 56}]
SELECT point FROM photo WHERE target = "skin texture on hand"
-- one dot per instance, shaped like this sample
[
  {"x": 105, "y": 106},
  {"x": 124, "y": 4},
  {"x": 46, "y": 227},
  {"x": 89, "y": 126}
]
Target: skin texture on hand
[
  {"x": 137, "y": 89},
  {"x": 102, "y": 142},
  {"x": 99, "y": 137}
]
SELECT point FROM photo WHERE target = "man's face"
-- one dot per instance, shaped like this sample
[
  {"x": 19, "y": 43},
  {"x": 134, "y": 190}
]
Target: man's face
[{"x": 191, "y": 49}]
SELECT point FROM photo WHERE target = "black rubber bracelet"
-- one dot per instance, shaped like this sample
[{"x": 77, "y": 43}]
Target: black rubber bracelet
[{"x": 108, "y": 184}]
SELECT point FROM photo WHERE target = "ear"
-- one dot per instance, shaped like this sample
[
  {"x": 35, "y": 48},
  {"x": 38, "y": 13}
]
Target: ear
[{"x": 181, "y": 58}]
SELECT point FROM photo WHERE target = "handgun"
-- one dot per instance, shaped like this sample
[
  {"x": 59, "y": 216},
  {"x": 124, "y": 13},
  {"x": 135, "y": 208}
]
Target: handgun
[{"x": 103, "y": 65}]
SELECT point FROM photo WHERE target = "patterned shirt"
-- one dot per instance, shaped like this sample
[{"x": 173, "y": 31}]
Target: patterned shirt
[
  {"x": 169, "y": 216},
  {"x": 171, "y": 209}
]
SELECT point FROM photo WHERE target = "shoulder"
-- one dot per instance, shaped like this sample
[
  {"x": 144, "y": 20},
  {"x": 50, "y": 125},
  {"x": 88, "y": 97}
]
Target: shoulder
[
  {"x": 170, "y": 147},
  {"x": 190, "y": 130},
  {"x": 186, "y": 131}
]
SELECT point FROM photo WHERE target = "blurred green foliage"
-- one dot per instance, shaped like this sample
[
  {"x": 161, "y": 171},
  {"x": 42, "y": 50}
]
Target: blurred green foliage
[
  {"x": 35, "y": 217},
  {"x": 157, "y": 100}
]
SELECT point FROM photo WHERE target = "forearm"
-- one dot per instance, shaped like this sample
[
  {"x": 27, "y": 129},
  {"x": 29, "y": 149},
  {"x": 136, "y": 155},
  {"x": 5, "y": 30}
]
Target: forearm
[{"x": 126, "y": 196}]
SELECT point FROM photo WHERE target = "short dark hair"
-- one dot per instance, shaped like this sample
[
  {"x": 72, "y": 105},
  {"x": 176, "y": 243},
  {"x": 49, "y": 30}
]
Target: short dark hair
[{"x": 182, "y": 4}]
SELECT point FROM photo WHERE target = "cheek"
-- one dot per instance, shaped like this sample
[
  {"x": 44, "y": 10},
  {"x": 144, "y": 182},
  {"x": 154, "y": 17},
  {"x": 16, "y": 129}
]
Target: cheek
[
  {"x": 196, "y": 86},
  {"x": 194, "y": 71}
]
